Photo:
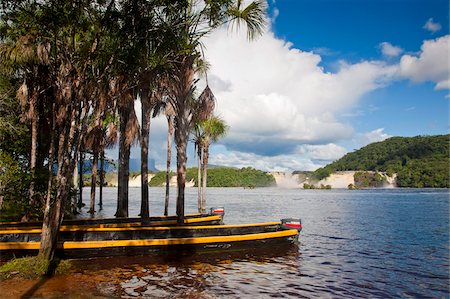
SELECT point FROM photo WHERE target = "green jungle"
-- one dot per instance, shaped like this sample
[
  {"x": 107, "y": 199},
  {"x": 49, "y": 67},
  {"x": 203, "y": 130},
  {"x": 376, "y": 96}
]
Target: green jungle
[{"x": 419, "y": 162}]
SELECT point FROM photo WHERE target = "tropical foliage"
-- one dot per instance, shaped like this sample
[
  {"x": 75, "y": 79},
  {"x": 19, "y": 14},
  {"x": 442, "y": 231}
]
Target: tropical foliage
[
  {"x": 225, "y": 177},
  {"x": 419, "y": 162},
  {"x": 70, "y": 74}
]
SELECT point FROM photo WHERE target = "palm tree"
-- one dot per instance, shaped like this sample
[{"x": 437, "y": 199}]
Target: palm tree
[
  {"x": 198, "y": 145},
  {"x": 196, "y": 24},
  {"x": 170, "y": 114},
  {"x": 128, "y": 133},
  {"x": 213, "y": 129},
  {"x": 27, "y": 54}
]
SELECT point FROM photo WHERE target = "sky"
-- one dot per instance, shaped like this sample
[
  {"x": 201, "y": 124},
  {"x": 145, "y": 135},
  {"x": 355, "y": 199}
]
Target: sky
[{"x": 326, "y": 78}]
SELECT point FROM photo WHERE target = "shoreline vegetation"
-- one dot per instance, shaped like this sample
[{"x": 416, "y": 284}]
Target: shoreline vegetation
[{"x": 68, "y": 87}]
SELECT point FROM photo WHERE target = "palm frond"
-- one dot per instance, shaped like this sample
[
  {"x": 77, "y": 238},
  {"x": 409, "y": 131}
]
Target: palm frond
[{"x": 253, "y": 16}]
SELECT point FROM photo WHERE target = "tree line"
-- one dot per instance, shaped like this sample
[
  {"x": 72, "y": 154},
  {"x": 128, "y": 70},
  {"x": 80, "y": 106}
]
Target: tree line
[
  {"x": 419, "y": 162},
  {"x": 71, "y": 71},
  {"x": 224, "y": 177}
]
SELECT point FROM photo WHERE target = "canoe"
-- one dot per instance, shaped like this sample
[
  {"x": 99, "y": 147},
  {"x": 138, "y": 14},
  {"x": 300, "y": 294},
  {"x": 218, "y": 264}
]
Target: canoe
[
  {"x": 214, "y": 217},
  {"x": 84, "y": 242}
]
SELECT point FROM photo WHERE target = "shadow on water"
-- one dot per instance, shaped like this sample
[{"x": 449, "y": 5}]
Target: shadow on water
[
  {"x": 31, "y": 291},
  {"x": 194, "y": 274}
]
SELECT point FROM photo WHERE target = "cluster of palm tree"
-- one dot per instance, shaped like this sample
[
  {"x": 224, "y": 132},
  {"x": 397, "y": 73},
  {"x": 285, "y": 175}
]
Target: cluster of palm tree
[
  {"x": 206, "y": 131},
  {"x": 79, "y": 66}
]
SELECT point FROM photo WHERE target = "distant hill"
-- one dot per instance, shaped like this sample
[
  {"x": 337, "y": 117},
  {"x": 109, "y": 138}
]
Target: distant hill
[{"x": 419, "y": 162}]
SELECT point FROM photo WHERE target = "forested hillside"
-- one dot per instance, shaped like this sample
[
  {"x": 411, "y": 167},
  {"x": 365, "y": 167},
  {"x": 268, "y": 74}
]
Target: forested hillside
[
  {"x": 225, "y": 177},
  {"x": 419, "y": 162}
]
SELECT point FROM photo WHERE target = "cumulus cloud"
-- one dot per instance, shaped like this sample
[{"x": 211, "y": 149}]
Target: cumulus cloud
[
  {"x": 431, "y": 26},
  {"x": 275, "y": 163},
  {"x": 377, "y": 135},
  {"x": 324, "y": 153},
  {"x": 285, "y": 110},
  {"x": 431, "y": 64},
  {"x": 387, "y": 49},
  {"x": 280, "y": 97}
]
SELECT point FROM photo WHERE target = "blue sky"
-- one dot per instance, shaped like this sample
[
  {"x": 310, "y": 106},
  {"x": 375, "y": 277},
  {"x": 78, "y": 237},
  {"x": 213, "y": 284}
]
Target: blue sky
[
  {"x": 327, "y": 77},
  {"x": 353, "y": 30}
]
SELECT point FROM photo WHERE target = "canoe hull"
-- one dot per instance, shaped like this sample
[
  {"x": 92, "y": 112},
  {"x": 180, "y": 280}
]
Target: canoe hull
[
  {"x": 181, "y": 246},
  {"x": 100, "y": 242},
  {"x": 197, "y": 219}
]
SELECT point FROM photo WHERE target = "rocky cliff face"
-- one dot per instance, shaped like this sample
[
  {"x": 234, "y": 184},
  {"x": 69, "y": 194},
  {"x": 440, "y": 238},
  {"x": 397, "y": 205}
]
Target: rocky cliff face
[{"x": 341, "y": 179}]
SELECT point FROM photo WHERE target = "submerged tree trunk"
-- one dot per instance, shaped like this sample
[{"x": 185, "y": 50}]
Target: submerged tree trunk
[
  {"x": 102, "y": 178},
  {"x": 169, "y": 156},
  {"x": 93, "y": 181},
  {"x": 145, "y": 130},
  {"x": 205, "y": 170}
]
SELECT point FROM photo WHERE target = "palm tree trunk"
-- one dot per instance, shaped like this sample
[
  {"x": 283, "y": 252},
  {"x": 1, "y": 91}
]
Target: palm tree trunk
[
  {"x": 93, "y": 181},
  {"x": 205, "y": 170},
  {"x": 124, "y": 162},
  {"x": 51, "y": 155},
  {"x": 169, "y": 154},
  {"x": 181, "y": 138},
  {"x": 80, "y": 196},
  {"x": 34, "y": 145},
  {"x": 182, "y": 129},
  {"x": 123, "y": 175},
  {"x": 145, "y": 130},
  {"x": 102, "y": 178},
  {"x": 68, "y": 147},
  {"x": 199, "y": 178}
]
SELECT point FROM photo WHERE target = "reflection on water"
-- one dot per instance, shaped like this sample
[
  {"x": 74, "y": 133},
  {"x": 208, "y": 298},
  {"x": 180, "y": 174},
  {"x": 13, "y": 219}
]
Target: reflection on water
[
  {"x": 206, "y": 275},
  {"x": 354, "y": 244}
]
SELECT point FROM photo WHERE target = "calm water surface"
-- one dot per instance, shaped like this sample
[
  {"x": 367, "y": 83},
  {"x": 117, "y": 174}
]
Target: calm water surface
[{"x": 365, "y": 243}]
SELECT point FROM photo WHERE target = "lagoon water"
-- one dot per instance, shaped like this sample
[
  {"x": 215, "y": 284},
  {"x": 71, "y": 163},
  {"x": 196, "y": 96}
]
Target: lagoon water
[
  {"x": 354, "y": 244},
  {"x": 365, "y": 243}
]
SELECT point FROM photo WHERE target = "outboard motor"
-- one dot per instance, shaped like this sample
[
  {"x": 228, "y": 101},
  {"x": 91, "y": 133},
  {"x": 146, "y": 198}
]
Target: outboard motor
[
  {"x": 218, "y": 211},
  {"x": 291, "y": 223}
]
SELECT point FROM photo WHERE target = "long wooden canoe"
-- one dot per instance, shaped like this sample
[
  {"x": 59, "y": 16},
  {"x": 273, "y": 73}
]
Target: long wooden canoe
[
  {"x": 214, "y": 217},
  {"x": 107, "y": 241}
]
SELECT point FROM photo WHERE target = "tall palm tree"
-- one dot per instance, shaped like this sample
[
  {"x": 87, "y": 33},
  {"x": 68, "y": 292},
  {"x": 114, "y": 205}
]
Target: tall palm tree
[
  {"x": 198, "y": 147},
  {"x": 196, "y": 24},
  {"x": 27, "y": 54},
  {"x": 170, "y": 114},
  {"x": 128, "y": 134},
  {"x": 213, "y": 129}
]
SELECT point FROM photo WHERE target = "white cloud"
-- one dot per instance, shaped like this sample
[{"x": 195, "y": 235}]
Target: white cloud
[
  {"x": 390, "y": 50},
  {"x": 326, "y": 153},
  {"x": 432, "y": 63},
  {"x": 276, "y": 163},
  {"x": 431, "y": 26},
  {"x": 283, "y": 108},
  {"x": 377, "y": 135},
  {"x": 280, "y": 97}
]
